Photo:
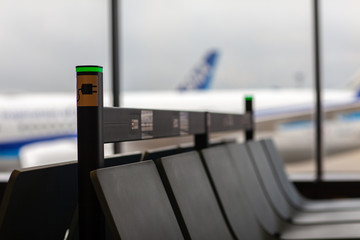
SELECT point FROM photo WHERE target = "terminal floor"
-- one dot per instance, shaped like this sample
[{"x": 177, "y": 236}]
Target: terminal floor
[{"x": 345, "y": 164}]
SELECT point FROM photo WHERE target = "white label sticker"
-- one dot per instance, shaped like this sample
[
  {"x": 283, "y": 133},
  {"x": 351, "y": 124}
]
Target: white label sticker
[
  {"x": 147, "y": 121},
  {"x": 134, "y": 124},
  {"x": 184, "y": 123}
]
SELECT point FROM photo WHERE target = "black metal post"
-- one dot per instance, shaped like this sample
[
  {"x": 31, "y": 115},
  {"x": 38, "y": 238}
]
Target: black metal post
[
  {"x": 115, "y": 60},
  {"x": 318, "y": 104},
  {"x": 250, "y": 134},
  {"x": 90, "y": 149},
  {"x": 202, "y": 140}
]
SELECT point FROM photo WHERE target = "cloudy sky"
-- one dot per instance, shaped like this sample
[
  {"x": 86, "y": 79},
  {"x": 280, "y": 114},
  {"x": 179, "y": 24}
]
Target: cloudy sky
[{"x": 262, "y": 43}]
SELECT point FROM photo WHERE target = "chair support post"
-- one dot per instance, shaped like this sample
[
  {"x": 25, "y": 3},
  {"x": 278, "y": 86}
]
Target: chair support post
[{"x": 90, "y": 149}]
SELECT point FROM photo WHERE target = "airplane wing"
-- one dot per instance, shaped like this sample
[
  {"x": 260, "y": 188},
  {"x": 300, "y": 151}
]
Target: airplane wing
[{"x": 269, "y": 119}]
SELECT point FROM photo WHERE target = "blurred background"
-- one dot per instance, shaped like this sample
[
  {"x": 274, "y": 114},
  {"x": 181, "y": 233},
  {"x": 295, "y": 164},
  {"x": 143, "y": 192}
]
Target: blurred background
[{"x": 260, "y": 45}]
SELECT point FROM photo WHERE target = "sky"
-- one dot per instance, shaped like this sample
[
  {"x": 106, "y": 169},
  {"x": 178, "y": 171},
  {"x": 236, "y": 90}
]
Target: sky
[{"x": 262, "y": 43}]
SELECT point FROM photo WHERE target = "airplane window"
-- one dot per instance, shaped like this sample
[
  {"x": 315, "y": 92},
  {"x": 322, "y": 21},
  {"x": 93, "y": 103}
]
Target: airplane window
[
  {"x": 341, "y": 147},
  {"x": 42, "y": 42},
  {"x": 260, "y": 48},
  {"x": 56, "y": 31},
  {"x": 263, "y": 48}
]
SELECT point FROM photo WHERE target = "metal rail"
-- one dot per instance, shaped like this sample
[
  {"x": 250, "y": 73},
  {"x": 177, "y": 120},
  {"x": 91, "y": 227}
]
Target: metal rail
[
  {"x": 98, "y": 125},
  {"x": 318, "y": 103}
]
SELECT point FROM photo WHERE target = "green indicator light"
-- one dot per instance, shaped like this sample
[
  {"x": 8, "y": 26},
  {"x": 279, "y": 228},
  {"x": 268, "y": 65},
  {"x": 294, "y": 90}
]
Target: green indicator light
[
  {"x": 89, "y": 69},
  {"x": 248, "y": 98}
]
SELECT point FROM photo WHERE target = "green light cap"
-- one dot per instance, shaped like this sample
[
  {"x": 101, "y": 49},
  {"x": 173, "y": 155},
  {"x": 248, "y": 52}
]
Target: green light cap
[
  {"x": 89, "y": 69},
  {"x": 248, "y": 98}
]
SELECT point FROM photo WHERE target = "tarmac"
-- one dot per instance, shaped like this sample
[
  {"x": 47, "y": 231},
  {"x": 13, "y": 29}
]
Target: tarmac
[{"x": 345, "y": 165}]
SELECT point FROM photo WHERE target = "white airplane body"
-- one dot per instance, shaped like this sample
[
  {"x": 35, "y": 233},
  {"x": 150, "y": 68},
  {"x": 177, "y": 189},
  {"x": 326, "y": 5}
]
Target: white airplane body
[
  {"x": 27, "y": 121},
  {"x": 265, "y": 100},
  {"x": 26, "y": 118}
]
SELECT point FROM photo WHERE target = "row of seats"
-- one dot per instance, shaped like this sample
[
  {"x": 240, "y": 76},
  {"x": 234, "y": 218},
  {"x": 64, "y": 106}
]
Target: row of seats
[
  {"x": 42, "y": 200},
  {"x": 231, "y": 191},
  {"x": 228, "y": 191}
]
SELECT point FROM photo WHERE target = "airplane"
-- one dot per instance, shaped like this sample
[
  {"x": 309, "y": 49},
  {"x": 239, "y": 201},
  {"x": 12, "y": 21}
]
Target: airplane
[
  {"x": 28, "y": 121},
  {"x": 29, "y": 118}
]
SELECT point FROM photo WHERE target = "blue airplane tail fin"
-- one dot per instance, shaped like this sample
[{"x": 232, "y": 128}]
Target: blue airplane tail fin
[
  {"x": 202, "y": 75},
  {"x": 354, "y": 83}
]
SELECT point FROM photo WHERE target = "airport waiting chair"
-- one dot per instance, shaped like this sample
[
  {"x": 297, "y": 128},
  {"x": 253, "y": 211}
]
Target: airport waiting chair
[
  {"x": 279, "y": 201},
  {"x": 109, "y": 161},
  {"x": 122, "y": 158},
  {"x": 39, "y": 202},
  {"x": 265, "y": 214},
  {"x": 187, "y": 147},
  {"x": 292, "y": 194},
  {"x": 154, "y": 154},
  {"x": 135, "y": 203},
  {"x": 215, "y": 142},
  {"x": 231, "y": 195},
  {"x": 191, "y": 194}
]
